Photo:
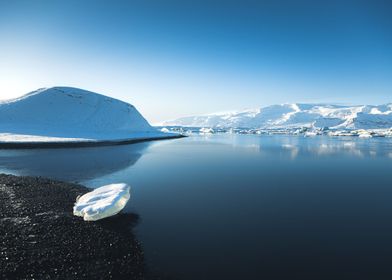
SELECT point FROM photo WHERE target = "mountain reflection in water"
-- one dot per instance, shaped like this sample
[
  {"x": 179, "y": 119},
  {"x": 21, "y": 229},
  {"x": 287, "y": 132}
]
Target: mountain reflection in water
[{"x": 71, "y": 164}]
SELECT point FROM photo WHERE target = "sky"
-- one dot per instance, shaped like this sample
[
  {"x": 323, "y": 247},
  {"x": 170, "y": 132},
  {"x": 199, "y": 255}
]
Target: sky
[{"x": 180, "y": 58}]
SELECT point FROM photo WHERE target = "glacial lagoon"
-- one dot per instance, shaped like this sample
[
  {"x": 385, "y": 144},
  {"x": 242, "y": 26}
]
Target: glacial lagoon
[{"x": 244, "y": 206}]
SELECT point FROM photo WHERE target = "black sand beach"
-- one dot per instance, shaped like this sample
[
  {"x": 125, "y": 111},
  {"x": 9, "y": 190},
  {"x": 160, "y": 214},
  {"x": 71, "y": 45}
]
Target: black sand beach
[{"x": 41, "y": 239}]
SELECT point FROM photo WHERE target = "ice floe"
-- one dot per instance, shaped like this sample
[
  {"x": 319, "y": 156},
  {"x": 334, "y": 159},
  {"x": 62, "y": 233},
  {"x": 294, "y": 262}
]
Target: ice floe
[{"x": 102, "y": 202}]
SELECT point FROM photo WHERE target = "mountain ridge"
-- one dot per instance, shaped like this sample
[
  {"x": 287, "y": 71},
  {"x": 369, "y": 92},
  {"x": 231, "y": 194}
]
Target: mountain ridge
[{"x": 296, "y": 115}]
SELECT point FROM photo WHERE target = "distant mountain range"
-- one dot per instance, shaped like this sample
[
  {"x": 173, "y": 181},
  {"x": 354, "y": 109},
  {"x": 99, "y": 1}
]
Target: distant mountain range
[{"x": 296, "y": 116}]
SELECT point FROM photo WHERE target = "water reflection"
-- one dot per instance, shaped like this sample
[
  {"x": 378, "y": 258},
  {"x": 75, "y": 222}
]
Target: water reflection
[
  {"x": 292, "y": 147},
  {"x": 269, "y": 203},
  {"x": 72, "y": 165},
  {"x": 84, "y": 164}
]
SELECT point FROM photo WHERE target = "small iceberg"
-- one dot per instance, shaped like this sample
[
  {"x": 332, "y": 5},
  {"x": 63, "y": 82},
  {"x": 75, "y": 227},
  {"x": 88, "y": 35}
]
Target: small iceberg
[
  {"x": 102, "y": 202},
  {"x": 310, "y": 134},
  {"x": 365, "y": 135},
  {"x": 206, "y": 130}
]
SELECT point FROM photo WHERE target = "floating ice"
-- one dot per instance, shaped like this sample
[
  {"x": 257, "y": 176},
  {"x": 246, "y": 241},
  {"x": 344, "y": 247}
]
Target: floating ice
[
  {"x": 206, "y": 130},
  {"x": 310, "y": 134},
  {"x": 365, "y": 135},
  {"x": 102, "y": 202}
]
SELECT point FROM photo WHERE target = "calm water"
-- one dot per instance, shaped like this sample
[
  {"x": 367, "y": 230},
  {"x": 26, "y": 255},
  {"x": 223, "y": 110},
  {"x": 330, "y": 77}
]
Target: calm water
[{"x": 243, "y": 206}]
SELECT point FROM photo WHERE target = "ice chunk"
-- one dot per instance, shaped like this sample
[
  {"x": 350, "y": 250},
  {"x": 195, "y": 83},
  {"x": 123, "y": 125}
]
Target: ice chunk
[
  {"x": 206, "y": 130},
  {"x": 365, "y": 135},
  {"x": 102, "y": 202},
  {"x": 310, "y": 134}
]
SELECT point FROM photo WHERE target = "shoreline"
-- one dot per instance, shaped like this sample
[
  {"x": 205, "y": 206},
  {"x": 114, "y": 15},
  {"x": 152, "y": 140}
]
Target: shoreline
[
  {"x": 82, "y": 144},
  {"x": 41, "y": 239}
]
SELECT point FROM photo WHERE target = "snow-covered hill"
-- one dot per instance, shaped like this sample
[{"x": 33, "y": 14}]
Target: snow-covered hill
[
  {"x": 296, "y": 116},
  {"x": 67, "y": 114}
]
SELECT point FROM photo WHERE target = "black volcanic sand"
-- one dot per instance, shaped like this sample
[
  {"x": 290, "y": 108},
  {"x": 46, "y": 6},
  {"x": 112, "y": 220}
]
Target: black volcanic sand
[{"x": 41, "y": 239}]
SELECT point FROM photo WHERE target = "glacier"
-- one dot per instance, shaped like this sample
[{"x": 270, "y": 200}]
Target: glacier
[
  {"x": 294, "y": 116},
  {"x": 72, "y": 115}
]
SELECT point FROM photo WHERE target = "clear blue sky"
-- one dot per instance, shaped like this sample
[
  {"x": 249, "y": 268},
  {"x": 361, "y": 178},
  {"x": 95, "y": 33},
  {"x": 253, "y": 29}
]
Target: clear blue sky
[{"x": 177, "y": 58}]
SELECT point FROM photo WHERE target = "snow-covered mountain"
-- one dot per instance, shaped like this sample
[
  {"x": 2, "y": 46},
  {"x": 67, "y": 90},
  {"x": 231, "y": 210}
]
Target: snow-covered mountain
[
  {"x": 71, "y": 114},
  {"x": 295, "y": 116}
]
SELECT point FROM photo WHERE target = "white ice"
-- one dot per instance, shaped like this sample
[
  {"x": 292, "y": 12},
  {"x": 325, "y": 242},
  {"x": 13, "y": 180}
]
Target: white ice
[
  {"x": 65, "y": 114},
  {"x": 288, "y": 116},
  {"x": 102, "y": 202}
]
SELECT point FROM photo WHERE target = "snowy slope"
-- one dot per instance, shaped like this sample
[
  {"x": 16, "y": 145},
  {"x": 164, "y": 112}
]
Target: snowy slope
[
  {"x": 296, "y": 115},
  {"x": 61, "y": 114}
]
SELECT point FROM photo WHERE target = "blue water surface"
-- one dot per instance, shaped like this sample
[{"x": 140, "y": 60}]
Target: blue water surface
[{"x": 244, "y": 206}]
